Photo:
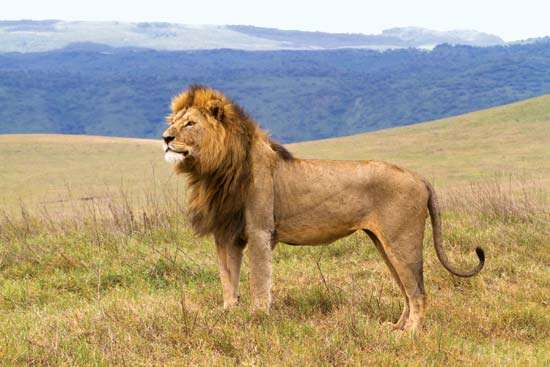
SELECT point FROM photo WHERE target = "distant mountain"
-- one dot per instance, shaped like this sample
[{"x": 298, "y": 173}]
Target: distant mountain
[
  {"x": 46, "y": 35},
  {"x": 298, "y": 95},
  {"x": 389, "y": 39},
  {"x": 421, "y": 37}
]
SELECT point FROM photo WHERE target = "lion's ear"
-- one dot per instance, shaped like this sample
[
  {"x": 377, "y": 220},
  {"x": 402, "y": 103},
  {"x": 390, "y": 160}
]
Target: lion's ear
[{"x": 216, "y": 109}]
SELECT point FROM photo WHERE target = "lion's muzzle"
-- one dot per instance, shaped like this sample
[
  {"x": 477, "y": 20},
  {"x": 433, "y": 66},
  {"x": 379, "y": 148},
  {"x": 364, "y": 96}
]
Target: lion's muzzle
[{"x": 174, "y": 156}]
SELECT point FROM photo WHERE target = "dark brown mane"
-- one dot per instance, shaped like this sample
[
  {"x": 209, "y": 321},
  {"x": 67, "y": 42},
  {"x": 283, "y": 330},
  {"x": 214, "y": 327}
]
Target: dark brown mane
[
  {"x": 217, "y": 196},
  {"x": 216, "y": 202},
  {"x": 281, "y": 151}
]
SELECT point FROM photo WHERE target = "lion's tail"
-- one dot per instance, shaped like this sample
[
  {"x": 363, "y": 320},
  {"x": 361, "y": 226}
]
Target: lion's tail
[{"x": 433, "y": 207}]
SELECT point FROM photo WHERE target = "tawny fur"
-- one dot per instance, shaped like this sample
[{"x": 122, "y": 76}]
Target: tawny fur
[{"x": 247, "y": 190}]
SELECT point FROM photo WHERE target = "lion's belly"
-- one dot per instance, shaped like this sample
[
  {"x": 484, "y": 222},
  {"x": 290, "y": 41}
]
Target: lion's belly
[
  {"x": 320, "y": 223},
  {"x": 311, "y": 236}
]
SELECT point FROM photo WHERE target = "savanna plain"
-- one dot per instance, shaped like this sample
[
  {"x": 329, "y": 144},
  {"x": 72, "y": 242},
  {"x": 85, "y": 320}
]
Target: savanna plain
[{"x": 98, "y": 267}]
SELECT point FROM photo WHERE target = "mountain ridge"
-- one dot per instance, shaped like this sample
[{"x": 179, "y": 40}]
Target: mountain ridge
[{"x": 47, "y": 35}]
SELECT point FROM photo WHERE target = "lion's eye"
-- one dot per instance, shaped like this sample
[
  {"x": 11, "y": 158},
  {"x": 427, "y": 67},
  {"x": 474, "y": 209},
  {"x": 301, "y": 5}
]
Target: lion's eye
[{"x": 190, "y": 124}]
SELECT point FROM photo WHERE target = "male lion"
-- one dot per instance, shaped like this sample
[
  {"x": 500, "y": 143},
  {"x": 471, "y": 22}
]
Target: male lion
[{"x": 246, "y": 189}]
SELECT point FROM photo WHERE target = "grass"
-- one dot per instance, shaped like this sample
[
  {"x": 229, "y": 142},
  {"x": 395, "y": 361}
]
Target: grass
[
  {"x": 119, "y": 279},
  {"x": 43, "y": 169}
]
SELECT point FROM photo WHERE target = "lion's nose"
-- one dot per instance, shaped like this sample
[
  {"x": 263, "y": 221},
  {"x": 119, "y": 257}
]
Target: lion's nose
[{"x": 168, "y": 139}]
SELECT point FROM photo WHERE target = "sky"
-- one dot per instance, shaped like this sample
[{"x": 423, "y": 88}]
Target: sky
[{"x": 511, "y": 20}]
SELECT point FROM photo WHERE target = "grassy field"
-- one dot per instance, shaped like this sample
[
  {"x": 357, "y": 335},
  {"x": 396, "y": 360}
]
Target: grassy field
[
  {"x": 97, "y": 266},
  {"x": 45, "y": 168}
]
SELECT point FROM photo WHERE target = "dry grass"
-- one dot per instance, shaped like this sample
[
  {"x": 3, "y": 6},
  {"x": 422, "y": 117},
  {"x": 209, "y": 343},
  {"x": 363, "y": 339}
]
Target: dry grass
[
  {"x": 114, "y": 212},
  {"x": 43, "y": 169},
  {"x": 503, "y": 198},
  {"x": 122, "y": 281}
]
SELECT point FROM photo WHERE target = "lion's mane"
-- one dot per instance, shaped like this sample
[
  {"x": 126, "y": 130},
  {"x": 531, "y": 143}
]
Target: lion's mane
[{"x": 220, "y": 182}]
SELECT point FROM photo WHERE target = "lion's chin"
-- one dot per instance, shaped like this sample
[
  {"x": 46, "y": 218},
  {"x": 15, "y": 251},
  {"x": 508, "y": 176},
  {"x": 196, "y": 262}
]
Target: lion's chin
[{"x": 173, "y": 157}]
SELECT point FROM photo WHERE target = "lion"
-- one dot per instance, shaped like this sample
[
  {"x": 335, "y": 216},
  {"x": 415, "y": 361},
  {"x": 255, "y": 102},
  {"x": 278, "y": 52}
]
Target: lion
[{"x": 249, "y": 191}]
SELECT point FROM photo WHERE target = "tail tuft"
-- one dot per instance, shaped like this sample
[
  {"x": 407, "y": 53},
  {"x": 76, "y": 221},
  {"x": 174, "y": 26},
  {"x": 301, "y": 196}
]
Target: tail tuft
[{"x": 481, "y": 255}]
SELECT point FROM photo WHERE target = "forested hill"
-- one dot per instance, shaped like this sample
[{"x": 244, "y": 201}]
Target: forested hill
[{"x": 297, "y": 95}]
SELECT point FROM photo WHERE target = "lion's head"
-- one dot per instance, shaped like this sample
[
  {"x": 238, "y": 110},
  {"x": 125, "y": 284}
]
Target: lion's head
[{"x": 207, "y": 130}]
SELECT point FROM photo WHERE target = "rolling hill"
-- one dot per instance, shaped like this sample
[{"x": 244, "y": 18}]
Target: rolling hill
[
  {"x": 511, "y": 139},
  {"x": 514, "y": 138}
]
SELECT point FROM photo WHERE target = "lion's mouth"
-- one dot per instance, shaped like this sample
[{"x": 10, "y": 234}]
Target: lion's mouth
[{"x": 168, "y": 148}]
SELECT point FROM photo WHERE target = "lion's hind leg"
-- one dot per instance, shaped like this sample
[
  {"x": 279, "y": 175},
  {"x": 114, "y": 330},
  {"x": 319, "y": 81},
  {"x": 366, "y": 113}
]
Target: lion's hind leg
[{"x": 404, "y": 258}]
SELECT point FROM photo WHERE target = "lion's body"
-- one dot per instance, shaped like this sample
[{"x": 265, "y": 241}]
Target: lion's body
[
  {"x": 317, "y": 202},
  {"x": 249, "y": 191}
]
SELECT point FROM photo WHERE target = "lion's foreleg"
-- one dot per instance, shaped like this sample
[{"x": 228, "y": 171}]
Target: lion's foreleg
[
  {"x": 259, "y": 253},
  {"x": 260, "y": 230},
  {"x": 229, "y": 260}
]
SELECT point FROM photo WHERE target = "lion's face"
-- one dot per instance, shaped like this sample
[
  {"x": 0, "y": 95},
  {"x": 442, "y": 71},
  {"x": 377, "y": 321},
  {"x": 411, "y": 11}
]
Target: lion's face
[{"x": 189, "y": 139}]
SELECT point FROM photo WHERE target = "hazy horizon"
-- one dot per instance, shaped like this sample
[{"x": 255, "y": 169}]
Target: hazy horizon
[
  {"x": 254, "y": 25},
  {"x": 511, "y": 22}
]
